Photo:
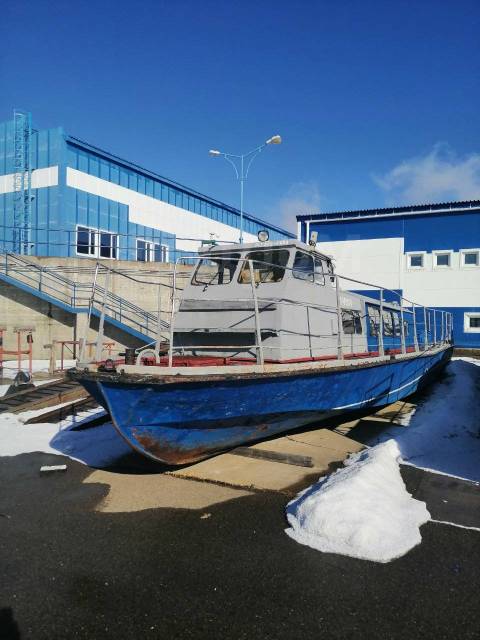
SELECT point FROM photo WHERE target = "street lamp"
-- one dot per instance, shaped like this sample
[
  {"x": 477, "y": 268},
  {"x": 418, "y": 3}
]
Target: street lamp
[{"x": 246, "y": 160}]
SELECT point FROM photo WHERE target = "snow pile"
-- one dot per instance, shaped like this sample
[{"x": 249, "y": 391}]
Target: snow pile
[
  {"x": 443, "y": 431},
  {"x": 16, "y": 437},
  {"x": 96, "y": 447},
  {"x": 363, "y": 510}
]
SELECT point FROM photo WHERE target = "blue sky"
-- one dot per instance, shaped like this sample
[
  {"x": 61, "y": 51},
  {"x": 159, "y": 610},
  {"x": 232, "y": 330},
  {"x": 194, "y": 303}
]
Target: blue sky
[{"x": 377, "y": 102}]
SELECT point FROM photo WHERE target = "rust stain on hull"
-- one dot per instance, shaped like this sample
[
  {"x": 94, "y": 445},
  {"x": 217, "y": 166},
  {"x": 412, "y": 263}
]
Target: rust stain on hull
[{"x": 169, "y": 454}]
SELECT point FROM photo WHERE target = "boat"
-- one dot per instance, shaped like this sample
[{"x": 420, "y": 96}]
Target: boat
[{"x": 263, "y": 339}]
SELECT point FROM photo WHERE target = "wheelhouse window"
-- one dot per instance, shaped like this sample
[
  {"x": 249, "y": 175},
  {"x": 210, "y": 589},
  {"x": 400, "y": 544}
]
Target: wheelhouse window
[
  {"x": 86, "y": 244},
  {"x": 351, "y": 322},
  {"x": 388, "y": 327},
  {"x": 216, "y": 269},
  {"x": 391, "y": 323},
  {"x": 308, "y": 267},
  {"x": 397, "y": 331},
  {"x": 268, "y": 266},
  {"x": 373, "y": 321}
]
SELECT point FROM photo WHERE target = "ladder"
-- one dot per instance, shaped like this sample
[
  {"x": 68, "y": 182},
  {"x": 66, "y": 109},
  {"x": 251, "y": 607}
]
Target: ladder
[{"x": 22, "y": 124}]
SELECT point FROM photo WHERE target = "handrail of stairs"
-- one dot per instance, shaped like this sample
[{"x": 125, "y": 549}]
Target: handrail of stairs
[{"x": 77, "y": 294}]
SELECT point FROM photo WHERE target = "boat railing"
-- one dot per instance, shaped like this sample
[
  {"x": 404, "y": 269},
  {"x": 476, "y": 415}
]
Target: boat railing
[
  {"x": 421, "y": 318},
  {"x": 431, "y": 327}
]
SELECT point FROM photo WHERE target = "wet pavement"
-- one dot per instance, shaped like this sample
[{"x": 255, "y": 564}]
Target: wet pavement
[{"x": 226, "y": 570}]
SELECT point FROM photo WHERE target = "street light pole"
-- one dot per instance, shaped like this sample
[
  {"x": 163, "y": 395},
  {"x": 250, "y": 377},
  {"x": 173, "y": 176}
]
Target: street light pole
[
  {"x": 243, "y": 173},
  {"x": 242, "y": 180}
]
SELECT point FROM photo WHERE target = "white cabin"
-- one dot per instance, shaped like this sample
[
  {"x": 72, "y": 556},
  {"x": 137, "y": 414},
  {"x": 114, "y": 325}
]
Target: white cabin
[{"x": 291, "y": 306}]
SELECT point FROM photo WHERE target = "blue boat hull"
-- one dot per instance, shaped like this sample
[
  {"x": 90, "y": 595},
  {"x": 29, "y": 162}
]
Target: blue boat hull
[{"x": 185, "y": 420}]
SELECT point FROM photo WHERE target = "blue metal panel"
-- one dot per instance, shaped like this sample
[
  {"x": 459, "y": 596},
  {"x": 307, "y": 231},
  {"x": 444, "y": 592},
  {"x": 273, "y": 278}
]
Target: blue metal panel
[
  {"x": 101, "y": 164},
  {"x": 462, "y": 338},
  {"x": 358, "y": 230},
  {"x": 456, "y": 230},
  {"x": 443, "y": 231}
]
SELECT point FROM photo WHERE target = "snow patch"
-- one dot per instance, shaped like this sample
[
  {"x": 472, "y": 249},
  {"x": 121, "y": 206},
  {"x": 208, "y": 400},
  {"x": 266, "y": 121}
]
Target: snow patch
[
  {"x": 442, "y": 432},
  {"x": 362, "y": 510},
  {"x": 98, "y": 447}
]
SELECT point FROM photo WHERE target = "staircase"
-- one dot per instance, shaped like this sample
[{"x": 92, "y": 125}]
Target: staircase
[{"x": 75, "y": 297}]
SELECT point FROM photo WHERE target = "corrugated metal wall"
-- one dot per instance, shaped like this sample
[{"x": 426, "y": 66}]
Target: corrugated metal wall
[
  {"x": 47, "y": 149},
  {"x": 101, "y": 167},
  {"x": 58, "y": 210}
]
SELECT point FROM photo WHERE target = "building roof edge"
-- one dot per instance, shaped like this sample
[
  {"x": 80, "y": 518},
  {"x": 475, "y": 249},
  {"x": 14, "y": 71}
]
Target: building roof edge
[
  {"x": 443, "y": 207},
  {"x": 131, "y": 165}
]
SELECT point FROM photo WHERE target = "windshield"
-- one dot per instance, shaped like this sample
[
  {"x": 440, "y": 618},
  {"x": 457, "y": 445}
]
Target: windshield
[
  {"x": 308, "y": 267},
  {"x": 268, "y": 266},
  {"x": 216, "y": 269}
]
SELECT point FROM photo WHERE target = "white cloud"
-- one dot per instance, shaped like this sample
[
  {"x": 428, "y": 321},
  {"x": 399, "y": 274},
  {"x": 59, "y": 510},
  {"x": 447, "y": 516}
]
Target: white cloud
[
  {"x": 438, "y": 176},
  {"x": 300, "y": 198}
]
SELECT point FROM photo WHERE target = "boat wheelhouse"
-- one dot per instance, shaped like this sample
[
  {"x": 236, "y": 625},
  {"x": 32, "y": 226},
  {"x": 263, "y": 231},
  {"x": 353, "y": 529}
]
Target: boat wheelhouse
[
  {"x": 262, "y": 339},
  {"x": 285, "y": 294}
]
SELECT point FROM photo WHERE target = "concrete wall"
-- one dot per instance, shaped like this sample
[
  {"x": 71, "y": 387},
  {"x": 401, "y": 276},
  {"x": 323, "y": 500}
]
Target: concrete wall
[{"x": 50, "y": 322}]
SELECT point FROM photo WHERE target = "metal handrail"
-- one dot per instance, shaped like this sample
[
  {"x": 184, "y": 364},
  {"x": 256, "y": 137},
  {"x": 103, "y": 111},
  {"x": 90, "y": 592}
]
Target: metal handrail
[
  {"x": 101, "y": 296},
  {"x": 48, "y": 282},
  {"x": 333, "y": 278}
]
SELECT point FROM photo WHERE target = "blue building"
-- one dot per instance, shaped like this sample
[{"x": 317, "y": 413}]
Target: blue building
[
  {"x": 431, "y": 253},
  {"x": 63, "y": 197}
]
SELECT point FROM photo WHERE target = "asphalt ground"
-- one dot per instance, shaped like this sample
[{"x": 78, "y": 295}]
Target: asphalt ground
[{"x": 68, "y": 571}]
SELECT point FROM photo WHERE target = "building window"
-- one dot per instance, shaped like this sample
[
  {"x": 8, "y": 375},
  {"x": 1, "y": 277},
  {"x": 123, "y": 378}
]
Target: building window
[
  {"x": 143, "y": 251},
  {"x": 442, "y": 259},
  {"x": 470, "y": 257},
  {"x": 108, "y": 245},
  {"x": 160, "y": 253},
  {"x": 97, "y": 244},
  {"x": 471, "y": 322},
  {"x": 416, "y": 260},
  {"x": 86, "y": 244},
  {"x": 151, "y": 251}
]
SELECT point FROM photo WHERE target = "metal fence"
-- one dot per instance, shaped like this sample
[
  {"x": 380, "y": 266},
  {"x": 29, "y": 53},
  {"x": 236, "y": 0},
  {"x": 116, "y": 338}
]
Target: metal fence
[
  {"x": 88, "y": 242},
  {"x": 84, "y": 295}
]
